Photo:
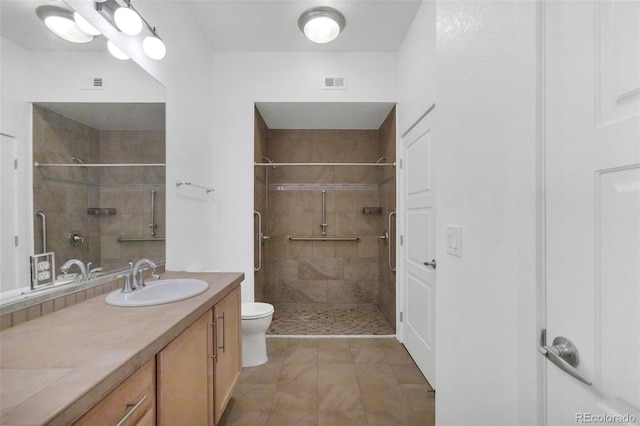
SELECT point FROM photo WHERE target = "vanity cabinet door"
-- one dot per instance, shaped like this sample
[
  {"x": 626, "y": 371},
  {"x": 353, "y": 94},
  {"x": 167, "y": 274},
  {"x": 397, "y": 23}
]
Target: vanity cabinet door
[
  {"x": 227, "y": 346},
  {"x": 133, "y": 402},
  {"x": 183, "y": 376}
]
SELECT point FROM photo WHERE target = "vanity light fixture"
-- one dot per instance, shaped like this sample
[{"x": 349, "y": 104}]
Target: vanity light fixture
[
  {"x": 84, "y": 25},
  {"x": 321, "y": 24},
  {"x": 153, "y": 47},
  {"x": 116, "y": 52},
  {"x": 60, "y": 21},
  {"x": 127, "y": 20}
]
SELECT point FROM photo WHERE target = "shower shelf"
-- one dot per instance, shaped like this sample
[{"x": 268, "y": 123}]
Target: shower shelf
[
  {"x": 37, "y": 164},
  {"x": 324, "y": 164}
]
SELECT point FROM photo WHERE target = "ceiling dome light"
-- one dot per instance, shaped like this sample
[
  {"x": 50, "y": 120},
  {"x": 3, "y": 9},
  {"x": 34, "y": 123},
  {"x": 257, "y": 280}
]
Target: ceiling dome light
[
  {"x": 128, "y": 20},
  {"x": 321, "y": 24},
  {"x": 116, "y": 52},
  {"x": 60, "y": 22},
  {"x": 85, "y": 25},
  {"x": 153, "y": 47}
]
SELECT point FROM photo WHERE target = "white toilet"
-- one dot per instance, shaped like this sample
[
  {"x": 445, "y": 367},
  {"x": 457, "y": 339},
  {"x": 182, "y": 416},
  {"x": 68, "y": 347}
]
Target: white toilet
[{"x": 256, "y": 318}]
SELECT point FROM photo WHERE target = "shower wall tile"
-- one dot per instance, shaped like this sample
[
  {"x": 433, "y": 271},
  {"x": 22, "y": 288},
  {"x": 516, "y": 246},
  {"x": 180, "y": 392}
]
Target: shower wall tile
[
  {"x": 364, "y": 291},
  {"x": 346, "y": 223},
  {"x": 320, "y": 269},
  {"x": 347, "y": 249},
  {"x": 323, "y": 249},
  {"x": 361, "y": 268},
  {"x": 368, "y": 246},
  {"x": 294, "y": 292},
  {"x": 387, "y": 279}
]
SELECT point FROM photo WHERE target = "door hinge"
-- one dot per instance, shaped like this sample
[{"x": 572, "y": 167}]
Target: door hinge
[
  {"x": 401, "y": 240},
  {"x": 400, "y": 316},
  {"x": 15, "y": 164},
  {"x": 15, "y": 240},
  {"x": 400, "y": 162}
]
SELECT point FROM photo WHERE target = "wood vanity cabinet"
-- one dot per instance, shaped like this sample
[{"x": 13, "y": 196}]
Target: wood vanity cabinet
[
  {"x": 198, "y": 370},
  {"x": 227, "y": 364},
  {"x": 133, "y": 402}
]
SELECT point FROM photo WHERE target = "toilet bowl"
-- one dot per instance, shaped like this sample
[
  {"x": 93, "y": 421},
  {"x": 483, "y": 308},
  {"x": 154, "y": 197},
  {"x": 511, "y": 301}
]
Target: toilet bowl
[{"x": 256, "y": 318}]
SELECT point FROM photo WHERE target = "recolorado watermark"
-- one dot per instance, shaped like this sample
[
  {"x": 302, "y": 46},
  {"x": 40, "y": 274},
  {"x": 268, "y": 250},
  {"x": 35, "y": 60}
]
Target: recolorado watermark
[{"x": 605, "y": 418}]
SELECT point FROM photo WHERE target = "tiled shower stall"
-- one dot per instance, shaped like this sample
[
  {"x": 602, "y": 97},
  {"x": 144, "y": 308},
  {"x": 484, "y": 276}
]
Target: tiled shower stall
[{"x": 326, "y": 287}]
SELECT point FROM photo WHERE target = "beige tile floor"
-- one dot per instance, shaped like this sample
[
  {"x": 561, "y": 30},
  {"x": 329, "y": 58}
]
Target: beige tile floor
[{"x": 332, "y": 381}]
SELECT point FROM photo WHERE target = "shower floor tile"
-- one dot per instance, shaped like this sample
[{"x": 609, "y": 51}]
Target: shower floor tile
[{"x": 328, "y": 321}]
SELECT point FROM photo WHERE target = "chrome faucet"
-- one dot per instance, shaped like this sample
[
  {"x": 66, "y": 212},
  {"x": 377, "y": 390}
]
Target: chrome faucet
[
  {"x": 137, "y": 280},
  {"x": 92, "y": 273},
  {"x": 69, "y": 263}
]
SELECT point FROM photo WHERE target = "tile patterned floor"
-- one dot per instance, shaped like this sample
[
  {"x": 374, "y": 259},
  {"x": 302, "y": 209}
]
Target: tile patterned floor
[
  {"x": 329, "y": 321},
  {"x": 332, "y": 381}
]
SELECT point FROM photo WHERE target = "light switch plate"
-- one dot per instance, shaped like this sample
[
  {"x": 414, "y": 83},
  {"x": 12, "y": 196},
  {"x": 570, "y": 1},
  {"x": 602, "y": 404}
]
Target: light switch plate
[{"x": 454, "y": 240}]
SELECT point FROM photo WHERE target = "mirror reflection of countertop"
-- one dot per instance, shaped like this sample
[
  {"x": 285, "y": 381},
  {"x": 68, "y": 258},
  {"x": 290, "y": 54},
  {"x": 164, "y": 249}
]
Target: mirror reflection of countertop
[{"x": 56, "y": 367}]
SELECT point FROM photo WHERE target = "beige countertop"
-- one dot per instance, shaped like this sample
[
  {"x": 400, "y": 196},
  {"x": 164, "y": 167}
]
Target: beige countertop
[{"x": 54, "y": 368}]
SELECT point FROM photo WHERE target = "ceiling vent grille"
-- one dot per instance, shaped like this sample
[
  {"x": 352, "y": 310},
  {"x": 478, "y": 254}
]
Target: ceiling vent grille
[{"x": 334, "y": 83}]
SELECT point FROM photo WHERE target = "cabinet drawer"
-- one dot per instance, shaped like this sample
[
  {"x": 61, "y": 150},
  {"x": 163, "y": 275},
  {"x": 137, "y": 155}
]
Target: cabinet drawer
[{"x": 131, "y": 403}]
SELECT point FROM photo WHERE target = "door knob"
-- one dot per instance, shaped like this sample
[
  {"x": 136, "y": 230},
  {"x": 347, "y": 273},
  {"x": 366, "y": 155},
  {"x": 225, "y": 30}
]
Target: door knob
[
  {"x": 431, "y": 264},
  {"x": 564, "y": 354}
]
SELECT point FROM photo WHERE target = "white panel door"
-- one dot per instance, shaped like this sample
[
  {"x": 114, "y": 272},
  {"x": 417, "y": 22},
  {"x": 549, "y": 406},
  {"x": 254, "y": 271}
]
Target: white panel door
[
  {"x": 8, "y": 213},
  {"x": 418, "y": 323},
  {"x": 592, "y": 187}
]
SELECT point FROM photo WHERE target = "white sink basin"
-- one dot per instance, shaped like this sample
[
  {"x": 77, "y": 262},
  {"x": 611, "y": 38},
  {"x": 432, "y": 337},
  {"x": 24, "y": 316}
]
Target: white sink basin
[{"x": 159, "y": 292}]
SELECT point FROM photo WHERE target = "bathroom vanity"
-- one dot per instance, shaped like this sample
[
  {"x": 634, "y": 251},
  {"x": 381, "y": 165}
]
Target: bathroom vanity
[{"x": 155, "y": 364}]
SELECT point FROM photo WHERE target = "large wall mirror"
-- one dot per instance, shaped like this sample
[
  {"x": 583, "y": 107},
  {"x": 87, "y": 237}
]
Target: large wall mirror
[{"x": 94, "y": 188}]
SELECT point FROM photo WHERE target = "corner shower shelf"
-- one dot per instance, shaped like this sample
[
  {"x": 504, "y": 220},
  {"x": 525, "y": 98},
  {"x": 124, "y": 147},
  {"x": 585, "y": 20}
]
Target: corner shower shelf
[{"x": 37, "y": 164}]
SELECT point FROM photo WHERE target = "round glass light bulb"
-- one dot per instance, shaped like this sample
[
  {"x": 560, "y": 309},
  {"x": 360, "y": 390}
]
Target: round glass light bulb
[
  {"x": 128, "y": 21},
  {"x": 116, "y": 52},
  {"x": 85, "y": 25},
  {"x": 66, "y": 29},
  {"x": 321, "y": 29},
  {"x": 153, "y": 47}
]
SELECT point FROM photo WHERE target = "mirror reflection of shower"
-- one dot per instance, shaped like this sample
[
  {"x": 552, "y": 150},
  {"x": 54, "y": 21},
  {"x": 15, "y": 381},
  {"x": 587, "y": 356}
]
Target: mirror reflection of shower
[{"x": 98, "y": 187}]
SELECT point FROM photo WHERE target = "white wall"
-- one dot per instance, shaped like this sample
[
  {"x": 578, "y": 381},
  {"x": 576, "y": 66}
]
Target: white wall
[
  {"x": 417, "y": 68},
  {"x": 486, "y": 141}
]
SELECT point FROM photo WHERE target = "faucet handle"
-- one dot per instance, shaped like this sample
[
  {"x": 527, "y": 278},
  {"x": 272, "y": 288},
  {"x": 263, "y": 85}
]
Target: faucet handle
[{"x": 126, "y": 288}]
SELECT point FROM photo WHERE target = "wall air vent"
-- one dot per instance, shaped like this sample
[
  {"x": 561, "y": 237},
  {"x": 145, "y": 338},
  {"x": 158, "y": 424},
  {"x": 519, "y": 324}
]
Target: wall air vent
[
  {"x": 334, "y": 83},
  {"x": 93, "y": 83}
]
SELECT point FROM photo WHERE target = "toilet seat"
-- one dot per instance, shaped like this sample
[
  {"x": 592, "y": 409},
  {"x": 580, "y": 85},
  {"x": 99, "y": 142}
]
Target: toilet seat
[{"x": 256, "y": 310}]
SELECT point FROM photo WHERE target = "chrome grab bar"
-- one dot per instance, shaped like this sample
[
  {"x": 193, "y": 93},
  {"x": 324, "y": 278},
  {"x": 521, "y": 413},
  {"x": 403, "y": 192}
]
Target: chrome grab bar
[
  {"x": 260, "y": 239},
  {"x": 153, "y": 214},
  {"x": 324, "y": 225},
  {"x": 291, "y": 238},
  {"x": 138, "y": 239},
  {"x": 391, "y": 240},
  {"x": 44, "y": 230}
]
